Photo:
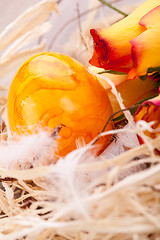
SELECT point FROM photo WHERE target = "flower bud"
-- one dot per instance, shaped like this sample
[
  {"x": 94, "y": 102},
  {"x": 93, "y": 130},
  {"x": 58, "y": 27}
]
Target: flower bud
[{"x": 132, "y": 44}]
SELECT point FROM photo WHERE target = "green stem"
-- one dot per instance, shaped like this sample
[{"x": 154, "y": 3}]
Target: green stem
[
  {"x": 112, "y": 72},
  {"x": 114, "y": 8}
]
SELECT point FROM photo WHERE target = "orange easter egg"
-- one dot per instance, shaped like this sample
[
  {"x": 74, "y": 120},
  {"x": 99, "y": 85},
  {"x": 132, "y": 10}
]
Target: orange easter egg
[{"x": 51, "y": 89}]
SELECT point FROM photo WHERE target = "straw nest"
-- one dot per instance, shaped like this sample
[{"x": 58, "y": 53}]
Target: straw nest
[{"x": 115, "y": 196}]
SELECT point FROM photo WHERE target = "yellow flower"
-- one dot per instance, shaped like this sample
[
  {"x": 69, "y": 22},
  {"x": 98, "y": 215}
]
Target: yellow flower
[
  {"x": 150, "y": 111},
  {"x": 132, "y": 91},
  {"x": 52, "y": 89},
  {"x": 132, "y": 43}
]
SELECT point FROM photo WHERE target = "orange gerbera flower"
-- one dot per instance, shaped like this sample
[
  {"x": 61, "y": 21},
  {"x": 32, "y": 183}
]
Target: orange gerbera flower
[
  {"x": 52, "y": 89},
  {"x": 150, "y": 111}
]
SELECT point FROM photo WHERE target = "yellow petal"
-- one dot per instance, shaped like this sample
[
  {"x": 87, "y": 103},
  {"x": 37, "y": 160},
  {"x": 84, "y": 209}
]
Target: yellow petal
[
  {"x": 151, "y": 19},
  {"x": 132, "y": 91},
  {"x": 145, "y": 52}
]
